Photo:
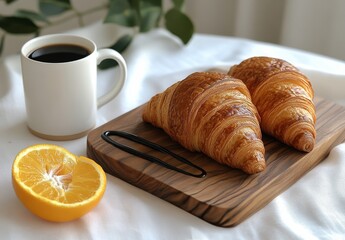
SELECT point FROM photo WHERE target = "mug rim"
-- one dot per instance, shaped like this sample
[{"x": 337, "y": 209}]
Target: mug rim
[{"x": 60, "y": 38}]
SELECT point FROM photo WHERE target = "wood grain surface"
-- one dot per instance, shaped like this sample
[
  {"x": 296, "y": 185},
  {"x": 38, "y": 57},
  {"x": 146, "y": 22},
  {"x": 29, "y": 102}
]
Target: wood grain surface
[{"x": 226, "y": 196}]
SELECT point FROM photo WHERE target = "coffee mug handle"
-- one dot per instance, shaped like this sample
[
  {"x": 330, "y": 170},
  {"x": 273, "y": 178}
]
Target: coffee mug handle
[{"x": 112, "y": 54}]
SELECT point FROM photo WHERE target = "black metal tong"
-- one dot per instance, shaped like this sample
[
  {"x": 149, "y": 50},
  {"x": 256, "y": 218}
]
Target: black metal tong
[{"x": 107, "y": 137}]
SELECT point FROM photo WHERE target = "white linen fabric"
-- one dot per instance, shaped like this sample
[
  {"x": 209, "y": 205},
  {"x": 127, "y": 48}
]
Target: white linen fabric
[{"x": 312, "y": 208}]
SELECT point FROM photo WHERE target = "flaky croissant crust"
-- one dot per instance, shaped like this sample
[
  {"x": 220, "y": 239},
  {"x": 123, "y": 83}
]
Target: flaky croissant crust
[
  {"x": 283, "y": 97},
  {"x": 212, "y": 113}
]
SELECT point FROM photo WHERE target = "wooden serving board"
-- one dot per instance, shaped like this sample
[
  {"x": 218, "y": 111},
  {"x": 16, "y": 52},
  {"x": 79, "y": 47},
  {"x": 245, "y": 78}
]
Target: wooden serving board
[{"x": 225, "y": 197}]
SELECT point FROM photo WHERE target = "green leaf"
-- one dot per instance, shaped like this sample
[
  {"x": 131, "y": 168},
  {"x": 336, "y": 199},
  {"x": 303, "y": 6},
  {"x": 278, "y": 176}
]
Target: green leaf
[
  {"x": 179, "y": 24},
  {"x": 54, "y": 7},
  {"x": 149, "y": 18},
  {"x": 119, "y": 46},
  {"x": 122, "y": 44},
  {"x": 121, "y": 12},
  {"x": 178, "y": 4},
  {"x": 18, "y": 25},
  {"x": 34, "y": 16}
]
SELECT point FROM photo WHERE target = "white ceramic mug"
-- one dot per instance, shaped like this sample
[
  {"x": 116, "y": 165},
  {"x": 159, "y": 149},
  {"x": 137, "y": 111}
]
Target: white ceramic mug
[{"x": 61, "y": 98}]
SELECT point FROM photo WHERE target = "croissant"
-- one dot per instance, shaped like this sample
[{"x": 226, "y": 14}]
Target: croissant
[
  {"x": 283, "y": 97},
  {"x": 211, "y": 113}
]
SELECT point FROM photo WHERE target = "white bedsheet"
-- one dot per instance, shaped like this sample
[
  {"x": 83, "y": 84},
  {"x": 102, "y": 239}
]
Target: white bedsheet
[{"x": 312, "y": 208}]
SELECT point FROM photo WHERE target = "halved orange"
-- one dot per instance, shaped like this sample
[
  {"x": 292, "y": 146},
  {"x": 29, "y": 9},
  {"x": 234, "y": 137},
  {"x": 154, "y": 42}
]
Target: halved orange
[{"x": 56, "y": 185}]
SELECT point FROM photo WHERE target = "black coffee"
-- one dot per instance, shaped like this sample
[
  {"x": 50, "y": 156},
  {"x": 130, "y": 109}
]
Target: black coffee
[{"x": 59, "y": 53}]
